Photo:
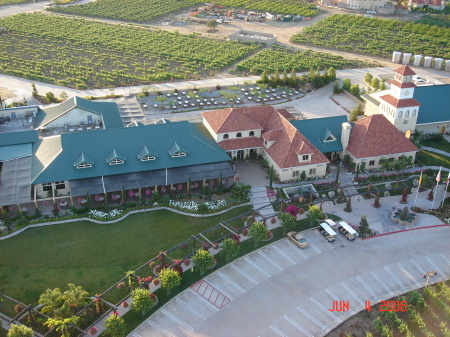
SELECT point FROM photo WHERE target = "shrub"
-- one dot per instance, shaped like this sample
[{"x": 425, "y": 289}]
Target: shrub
[
  {"x": 115, "y": 326},
  {"x": 152, "y": 264},
  {"x": 186, "y": 262},
  {"x": 244, "y": 232},
  {"x": 273, "y": 220},
  {"x": 170, "y": 279},
  {"x": 125, "y": 304},
  {"x": 93, "y": 330},
  {"x": 155, "y": 281},
  {"x": 142, "y": 301},
  {"x": 18, "y": 308},
  {"x": 121, "y": 285},
  {"x": 203, "y": 260}
]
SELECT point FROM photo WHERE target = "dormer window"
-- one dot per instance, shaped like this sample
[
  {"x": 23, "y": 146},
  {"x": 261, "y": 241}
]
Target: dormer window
[
  {"x": 115, "y": 158},
  {"x": 177, "y": 151},
  {"x": 116, "y": 161},
  {"x": 147, "y": 154},
  {"x": 179, "y": 154},
  {"x": 305, "y": 157},
  {"x": 251, "y": 133},
  {"x": 83, "y": 165},
  {"x": 225, "y": 136},
  {"x": 238, "y": 135},
  {"x": 83, "y": 161},
  {"x": 330, "y": 138}
]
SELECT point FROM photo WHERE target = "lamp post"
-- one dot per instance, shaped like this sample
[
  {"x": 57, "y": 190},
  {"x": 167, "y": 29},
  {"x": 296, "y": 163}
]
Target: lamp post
[{"x": 428, "y": 275}]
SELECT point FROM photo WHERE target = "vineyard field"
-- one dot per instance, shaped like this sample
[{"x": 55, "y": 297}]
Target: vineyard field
[
  {"x": 273, "y": 60},
  {"x": 376, "y": 36},
  {"x": 11, "y": 2},
  {"x": 87, "y": 54},
  {"x": 143, "y": 11}
]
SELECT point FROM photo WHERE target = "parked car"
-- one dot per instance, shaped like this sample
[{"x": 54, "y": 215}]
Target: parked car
[
  {"x": 328, "y": 237},
  {"x": 298, "y": 239}
]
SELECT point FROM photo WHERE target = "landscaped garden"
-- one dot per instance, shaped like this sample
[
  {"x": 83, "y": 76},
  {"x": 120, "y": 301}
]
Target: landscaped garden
[
  {"x": 280, "y": 59},
  {"x": 425, "y": 312},
  {"x": 94, "y": 256},
  {"x": 86, "y": 54},
  {"x": 376, "y": 36},
  {"x": 429, "y": 158},
  {"x": 144, "y": 11},
  {"x": 10, "y": 2}
]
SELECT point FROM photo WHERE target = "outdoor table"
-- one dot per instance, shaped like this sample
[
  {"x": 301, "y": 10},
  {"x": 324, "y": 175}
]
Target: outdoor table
[
  {"x": 245, "y": 93},
  {"x": 267, "y": 91},
  {"x": 186, "y": 102},
  {"x": 180, "y": 98},
  {"x": 283, "y": 96},
  {"x": 168, "y": 95},
  {"x": 63, "y": 204},
  {"x": 250, "y": 98},
  {"x": 273, "y": 90},
  {"x": 188, "y": 97},
  {"x": 183, "y": 92},
  {"x": 198, "y": 101},
  {"x": 208, "y": 103},
  {"x": 223, "y": 102},
  {"x": 205, "y": 100},
  {"x": 83, "y": 201},
  {"x": 290, "y": 94},
  {"x": 155, "y": 105},
  {"x": 180, "y": 103},
  {"x": 216, "y": 103},
  {"x": 118, "y": 197},
  {"x": 212, "y": 99},
  {"x": 192, "y": 104},
  {"x": 258, "y": 100},
  {"x": 296, "y": 92},
  {"x": 97, "y": 127},
  {"x": 271, "y": 98},
  {"x": 174, "y": 106},
  {"x": 185, "y": 105},
  {"x": 100, "y": 199},
  {"x": 201, "y": 103},
  {"x": 242, "y": 89},
  {"x": 278, "y": 97},
  {"x": 80, "y": 129},
  {"x": 265, "y": 99},
  {"x": 71, "y": 130},
  {"x": 175, "y": 94}
]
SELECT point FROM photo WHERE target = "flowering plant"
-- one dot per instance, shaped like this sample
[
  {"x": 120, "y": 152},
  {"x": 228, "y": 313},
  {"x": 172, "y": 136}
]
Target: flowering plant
[{"x": 103, "y": 215}]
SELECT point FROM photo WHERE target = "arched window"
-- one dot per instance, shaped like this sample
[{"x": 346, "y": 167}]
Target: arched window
[
  {"x": 252, "y": 133},
  {"x": 407, "y": 113},
  {"x": 400, "y": 114},
  {"x": 383, "y": 107},
  {"x": 414, "y": 112},
  {"x": 239, "y": 135},
  {"x": 225, "y": 136}
]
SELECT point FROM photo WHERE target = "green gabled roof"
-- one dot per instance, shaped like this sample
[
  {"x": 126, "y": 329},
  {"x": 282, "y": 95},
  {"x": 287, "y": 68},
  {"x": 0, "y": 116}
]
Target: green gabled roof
[
  {"x": 163, "y": 121},
  {"x": 57, "y": 165},
  {"x": 326, "y": 134},
  {"x": 114, "y": 154},
  {"x": 134, "y": 123},
  {"x": 108, "y": 110},
  {"x": 83, "y": 158},
  {"x": 147, "y": 151},
  {"x": 435, "y": 100},
  {"x": 177, "y": 148},
  {"x": 316, "y": 130},
  {"x": 15, "y": 138}
]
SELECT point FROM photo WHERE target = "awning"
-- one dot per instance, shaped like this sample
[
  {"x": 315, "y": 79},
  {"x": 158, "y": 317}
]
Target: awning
[
  {"x": 348, "y": 228},
  {"x": 15, "y": 182},
  {"x": 150, "y": 178},
  {"x": 328, "y": 229},
  {"x": 15, "y": 151}
]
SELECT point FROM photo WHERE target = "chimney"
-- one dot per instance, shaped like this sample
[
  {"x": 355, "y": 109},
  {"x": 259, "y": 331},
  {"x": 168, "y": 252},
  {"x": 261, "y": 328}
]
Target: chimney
[{"x": 345, "y": 135}]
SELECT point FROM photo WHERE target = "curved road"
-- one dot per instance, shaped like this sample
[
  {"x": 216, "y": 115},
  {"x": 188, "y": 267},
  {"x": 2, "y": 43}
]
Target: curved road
[{"x": 281, "y": 290}]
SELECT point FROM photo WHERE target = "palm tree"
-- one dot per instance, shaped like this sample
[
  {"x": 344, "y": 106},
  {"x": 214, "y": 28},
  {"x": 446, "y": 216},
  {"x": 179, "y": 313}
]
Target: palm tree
[
  {"x": 53, "y": 302},
  {"x": 62, "y": 325},
  {"x": 75, "y": 296},
  {"x": 385, "y": 165}
]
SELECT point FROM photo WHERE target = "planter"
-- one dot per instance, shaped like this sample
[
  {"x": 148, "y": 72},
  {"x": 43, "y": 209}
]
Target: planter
[
  {"x": 214, "y": 264},
  {"x": 270, "y": 237}
]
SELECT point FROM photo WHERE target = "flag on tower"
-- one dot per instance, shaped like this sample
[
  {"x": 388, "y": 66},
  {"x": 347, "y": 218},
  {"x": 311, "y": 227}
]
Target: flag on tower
[{"x": 438, "y": 177}]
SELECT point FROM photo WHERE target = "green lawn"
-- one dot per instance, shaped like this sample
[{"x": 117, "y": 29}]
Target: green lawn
[
  {"x": 433, "y": 159},
  {"x": 440, "y": 145},
  {"x": 94, "y": 256}
]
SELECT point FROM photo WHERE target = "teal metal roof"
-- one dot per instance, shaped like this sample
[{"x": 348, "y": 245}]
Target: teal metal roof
[
  {"x": 54, "y": 156},
  {"x": 435, "y": 100},
  {"x": 115, "y": 155},
  {"x": 14, "y": 138},
  {"x": 317, "y": 130},
  {"x": 108, "y": 110},
  {"x": 15, "y": 151}
]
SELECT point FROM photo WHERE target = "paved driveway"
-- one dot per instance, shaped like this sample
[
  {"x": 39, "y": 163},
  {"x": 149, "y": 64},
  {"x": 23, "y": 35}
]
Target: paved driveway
[{"x": 281, "y": 290}]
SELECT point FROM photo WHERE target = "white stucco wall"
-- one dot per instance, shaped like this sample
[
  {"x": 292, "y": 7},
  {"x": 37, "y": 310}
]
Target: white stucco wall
[
  {"x": 435, "y": 127},
  {"x": 378, "y": 158}
]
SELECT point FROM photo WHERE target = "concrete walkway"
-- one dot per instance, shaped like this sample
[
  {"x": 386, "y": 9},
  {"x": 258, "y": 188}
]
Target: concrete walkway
[
  {"x": 261, "y": 202},
  {"x": 432, "y": 149}
]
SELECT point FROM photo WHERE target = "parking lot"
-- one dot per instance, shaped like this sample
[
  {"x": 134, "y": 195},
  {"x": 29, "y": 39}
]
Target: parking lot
[{"x": 282, "y": 290}]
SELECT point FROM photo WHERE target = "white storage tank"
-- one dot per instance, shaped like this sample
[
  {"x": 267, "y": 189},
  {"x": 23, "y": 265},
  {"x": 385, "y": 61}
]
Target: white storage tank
[
  {"x": 438, "y": 63},
  {"x": 427, "y": 61},
  {"x": 417, "y": 60},
  {"x": 447, "y": 65},
  {"x": 396, "y": 56},
  {"x": 406, "y": 58}
]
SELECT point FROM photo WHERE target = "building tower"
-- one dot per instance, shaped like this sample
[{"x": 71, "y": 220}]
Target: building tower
[{"x": 399, "y": 106}]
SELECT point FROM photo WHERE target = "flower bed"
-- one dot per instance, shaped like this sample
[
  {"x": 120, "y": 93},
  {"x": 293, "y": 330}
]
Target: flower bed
[
  {"x": 199, "y": 207},
  {"x": 100, "y": 215}
]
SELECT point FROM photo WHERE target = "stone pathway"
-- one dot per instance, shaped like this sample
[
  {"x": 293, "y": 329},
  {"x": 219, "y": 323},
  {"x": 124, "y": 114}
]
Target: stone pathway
[
  {"x": 432, "y": 149},
  {"x": 261, "y": 202}
]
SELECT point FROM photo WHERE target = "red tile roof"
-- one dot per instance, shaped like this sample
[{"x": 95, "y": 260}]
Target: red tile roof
[
  {"x": 240, "y": 143},
  {"x": 290, "y": 142},
  {"x": 272, "y": 135},
  {"x": 404, "y": 71},
  {"x": 400, "y": 103},
  {"x": 399, "y": 84},
  {"x": 375, "y": 136},
  {"x": 228, "y": 120}
]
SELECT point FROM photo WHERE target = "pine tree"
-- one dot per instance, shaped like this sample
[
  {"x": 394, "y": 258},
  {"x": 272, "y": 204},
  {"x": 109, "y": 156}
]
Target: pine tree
[
  {"x": 364, "y": 230},
  {"x": 348, "y": 207},
  {"x": 265, "y": 77},
  {"x": 375, "y": 83},
  {"x": 368, "y": 78},
  {"x": 34, "y": 92},
  {"x": 346, "y": 84},
  {"x": 336, "y": 87},
  {"x": 293, "y": 79},
  {"x": 377, "y": 200}
]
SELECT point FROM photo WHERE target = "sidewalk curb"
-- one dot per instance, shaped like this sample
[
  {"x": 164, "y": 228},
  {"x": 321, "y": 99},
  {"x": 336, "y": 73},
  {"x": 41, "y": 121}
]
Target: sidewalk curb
[{"x": 406, "y": 230}]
